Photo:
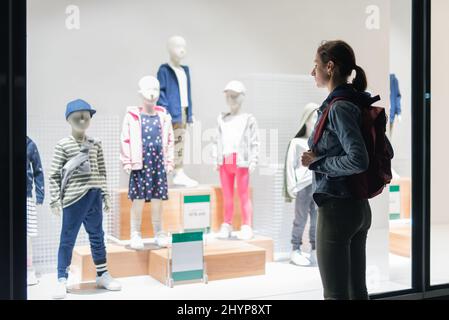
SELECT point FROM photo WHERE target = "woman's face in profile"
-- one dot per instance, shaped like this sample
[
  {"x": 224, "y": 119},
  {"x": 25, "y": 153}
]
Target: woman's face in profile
[{"x": 319, "y": 72}]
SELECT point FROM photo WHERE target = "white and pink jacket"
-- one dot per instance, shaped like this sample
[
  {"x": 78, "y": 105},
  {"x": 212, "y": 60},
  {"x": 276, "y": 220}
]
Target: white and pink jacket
[{"x": 131, "y": 149}]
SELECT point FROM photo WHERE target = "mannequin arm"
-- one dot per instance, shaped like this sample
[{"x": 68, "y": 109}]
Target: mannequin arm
[
  {"x": 290, "y": 170},
  {"x": 104, "y": 186},
  {"x": 38, "y": 174},
  {"x": 254, "y": 143},
  {"x": 125, "y": 152},
  {"x": 162, "y": 77},
  {"x": 59, "y": 159},
  {"x": 214, "y": 149},
  {"x": 170, "y": 160}
]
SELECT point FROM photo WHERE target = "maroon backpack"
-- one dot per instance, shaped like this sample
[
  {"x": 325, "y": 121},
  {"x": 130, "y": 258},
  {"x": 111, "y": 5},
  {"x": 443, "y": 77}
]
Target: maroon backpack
[{"x": 370, "y": 183}]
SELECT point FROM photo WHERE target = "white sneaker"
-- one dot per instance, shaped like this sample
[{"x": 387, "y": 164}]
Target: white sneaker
[
  {"x": 298, "y": 259},
  {"x": 60, "y": 289},
  {"x": 225, "y": 231},
  {"x": 181, "y": 179},
  {"x": 136, "y": 241},
  {"x": 31, "y": 277},
  {"x": 162, "y": 240},
  {"x": 108, "y": 283},
  {"x": 246, "y": 233}
]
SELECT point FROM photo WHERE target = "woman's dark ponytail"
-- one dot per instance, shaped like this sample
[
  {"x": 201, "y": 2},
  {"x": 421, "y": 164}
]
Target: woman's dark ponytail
[
  {"x": 360, "y": 82},
  {"x": 343, "y": 57}
]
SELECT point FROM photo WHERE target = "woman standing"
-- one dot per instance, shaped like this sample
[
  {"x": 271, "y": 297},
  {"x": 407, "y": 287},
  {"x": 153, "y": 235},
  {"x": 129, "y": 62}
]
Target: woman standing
[{"x": 343, "y": 220}]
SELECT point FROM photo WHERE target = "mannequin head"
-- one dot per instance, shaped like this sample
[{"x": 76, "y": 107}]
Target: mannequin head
[
  {"x": 176, "y": 47},
  {"x": 149, "y": 88},
  {"x": 310, "y": 123},
  {"x": 78, "y": 114},
  {"x": 235, "y": 95},
  {"x": 79, "y": 121},
  {"x": 308, "y": 120}
]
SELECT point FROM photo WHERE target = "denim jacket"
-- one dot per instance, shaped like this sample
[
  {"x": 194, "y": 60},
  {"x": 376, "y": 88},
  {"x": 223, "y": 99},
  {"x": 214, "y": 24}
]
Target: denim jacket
[
  {"x": 170, "y": 98},
  {"x": 341, "y": 151},
  {"x": 35, "y": 173}
]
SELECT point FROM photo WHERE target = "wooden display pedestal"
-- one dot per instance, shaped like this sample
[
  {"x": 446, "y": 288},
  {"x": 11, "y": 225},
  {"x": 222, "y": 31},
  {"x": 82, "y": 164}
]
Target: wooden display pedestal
[
  {"x": 172, "y": 221},
  {"x": 401, "y": 240},
  {"x": 225, "y": 259}
]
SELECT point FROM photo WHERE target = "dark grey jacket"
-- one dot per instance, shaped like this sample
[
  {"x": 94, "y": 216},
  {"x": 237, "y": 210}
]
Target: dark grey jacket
[{"x": 341, "y": 151}]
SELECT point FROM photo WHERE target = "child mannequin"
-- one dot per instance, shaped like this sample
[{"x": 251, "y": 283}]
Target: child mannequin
[
  {"x": 175, "y": 97},
  {"x": 147, "y": 156},
  {"x": 236, "y": 155},
  {"x": 78, "y": 187},
  {"x": 298, "y": 186}
]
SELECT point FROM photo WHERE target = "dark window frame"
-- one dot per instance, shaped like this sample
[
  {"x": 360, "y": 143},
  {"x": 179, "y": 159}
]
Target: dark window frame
[{"x": 13, "y": 159}]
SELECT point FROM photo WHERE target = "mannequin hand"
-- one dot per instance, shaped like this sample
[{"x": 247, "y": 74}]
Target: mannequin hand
[
  {"x": 216, "y": 167},
  {"x": 307, "y": 158},
  {"x": 252, "y": 167},
  {"x": 106, "y": 205},
  {"x": 191, "y": 124},
  {"x": 127, "y": 170},
  {"x": 169, "y": 170},
  {"x": 399, "y": 118},
  {"x": 56, "y": 210}
]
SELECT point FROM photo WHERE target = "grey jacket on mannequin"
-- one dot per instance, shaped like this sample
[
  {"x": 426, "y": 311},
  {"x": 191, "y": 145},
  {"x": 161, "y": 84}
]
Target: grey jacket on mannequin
[{"x": 248, "y": 150}]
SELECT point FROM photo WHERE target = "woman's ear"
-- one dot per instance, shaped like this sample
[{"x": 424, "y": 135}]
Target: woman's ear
[{"x": 330, "y": 67}]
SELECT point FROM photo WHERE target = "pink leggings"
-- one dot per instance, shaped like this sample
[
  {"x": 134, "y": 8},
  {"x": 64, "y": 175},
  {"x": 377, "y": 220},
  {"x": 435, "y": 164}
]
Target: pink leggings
[{"x": 228, "y": 171}]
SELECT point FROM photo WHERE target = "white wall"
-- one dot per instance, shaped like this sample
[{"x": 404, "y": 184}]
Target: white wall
[
  {"x": 440, "y": 111},
  {"x": 121, "y": 41}
]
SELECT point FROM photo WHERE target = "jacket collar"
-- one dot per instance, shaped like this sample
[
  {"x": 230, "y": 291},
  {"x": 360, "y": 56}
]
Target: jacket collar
[{"x": 348, "y": 92}]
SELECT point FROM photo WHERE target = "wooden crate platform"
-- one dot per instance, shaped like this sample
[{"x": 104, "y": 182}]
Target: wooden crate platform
[
  {"x": 123, "y": 262},
  {"x": 172, "y": 210},
  {"x": 401, "y": 240},
  {"x": 224, "y": 260}
]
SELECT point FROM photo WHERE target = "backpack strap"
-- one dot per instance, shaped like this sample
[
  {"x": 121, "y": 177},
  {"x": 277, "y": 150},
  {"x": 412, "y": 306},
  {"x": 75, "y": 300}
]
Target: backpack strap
[{"x": 323, "y": 120}]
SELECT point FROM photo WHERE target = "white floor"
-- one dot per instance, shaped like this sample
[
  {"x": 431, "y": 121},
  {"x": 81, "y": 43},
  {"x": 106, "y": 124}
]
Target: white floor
[{"x": 281, "y": 281}]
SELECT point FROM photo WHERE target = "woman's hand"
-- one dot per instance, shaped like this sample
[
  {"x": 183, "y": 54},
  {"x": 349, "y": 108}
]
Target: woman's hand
[{"x": 307, "y": 158}]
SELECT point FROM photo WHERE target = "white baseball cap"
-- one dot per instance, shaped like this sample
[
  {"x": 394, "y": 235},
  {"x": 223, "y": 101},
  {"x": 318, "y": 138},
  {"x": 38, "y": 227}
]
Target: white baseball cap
[
  {"x": 148, "y": 84},
  {"x": 235, "y": 86}
]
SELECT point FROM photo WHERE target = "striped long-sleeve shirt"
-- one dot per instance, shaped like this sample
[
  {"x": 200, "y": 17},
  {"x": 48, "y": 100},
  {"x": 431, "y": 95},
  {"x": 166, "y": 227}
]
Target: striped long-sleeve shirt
[{"x": 79, "y": 183}]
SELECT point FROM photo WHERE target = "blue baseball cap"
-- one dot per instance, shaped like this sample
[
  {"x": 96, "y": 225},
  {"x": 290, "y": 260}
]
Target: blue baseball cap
[{"x": 78, "y": 105}]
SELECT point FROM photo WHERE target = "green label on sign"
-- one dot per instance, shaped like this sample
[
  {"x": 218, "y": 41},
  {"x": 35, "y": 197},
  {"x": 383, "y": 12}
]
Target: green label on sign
[
  {"x": 187, "y": 237},
  {"x": 394, "y": 188},
  {"x": 187, "y": 275},
  {"x": 194, "y": 199},
  {"x": 395, "y": 216}
]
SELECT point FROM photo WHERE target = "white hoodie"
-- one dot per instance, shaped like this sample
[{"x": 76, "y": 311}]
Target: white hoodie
[
  {"x": 298, "y": 177},
  {"x": 131, "y": 149}
]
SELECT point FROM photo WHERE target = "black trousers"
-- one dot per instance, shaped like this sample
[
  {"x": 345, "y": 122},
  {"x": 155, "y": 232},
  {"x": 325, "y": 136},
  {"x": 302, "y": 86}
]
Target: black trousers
[{"x": 342, "y": 229}]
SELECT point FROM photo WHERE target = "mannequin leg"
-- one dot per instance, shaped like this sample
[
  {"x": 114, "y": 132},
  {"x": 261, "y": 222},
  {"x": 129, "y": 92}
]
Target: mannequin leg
[
  {"x": 136, "y": 224},
  {"x": 93, "y": 223},
  {"x": 243, "y": 191},
  {"x": 227, "y": 186},
  {"x": 179, "y": 132},
  {"x": 31, "y": 273},
  {"x": 156, "y": 215},
  {"x": 160, "y": 236},
  {"x": 302, "y": 205},
  {"x": 136, "y": 216},
  {"x": 29, "y": 253}
]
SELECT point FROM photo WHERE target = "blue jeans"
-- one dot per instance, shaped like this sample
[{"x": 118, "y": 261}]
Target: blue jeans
[
  {"x": 87, "y": 211},
  {"x": 304, "y": 206}
]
